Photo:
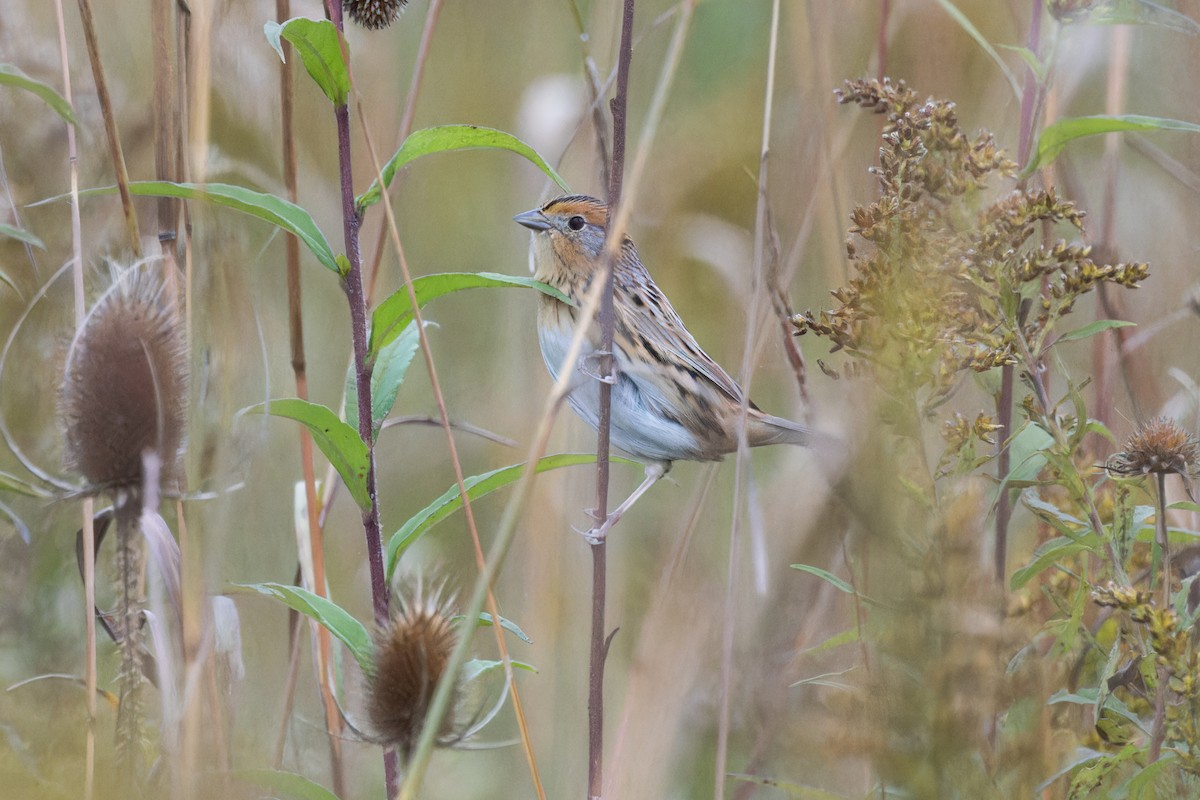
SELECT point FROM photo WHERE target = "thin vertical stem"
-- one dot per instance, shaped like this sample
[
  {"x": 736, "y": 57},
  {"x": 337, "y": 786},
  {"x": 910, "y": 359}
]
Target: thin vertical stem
[
  {"x": 324, "y": 650},
  {"x": 1158, "y": 728},
  {"x": 599, "y": 637},
  {"x": 87, "y": 505},
  {"x": 743, "y": 451},
  {"x": 110, "y": 126},
  {"x": 352, "y": 285}
]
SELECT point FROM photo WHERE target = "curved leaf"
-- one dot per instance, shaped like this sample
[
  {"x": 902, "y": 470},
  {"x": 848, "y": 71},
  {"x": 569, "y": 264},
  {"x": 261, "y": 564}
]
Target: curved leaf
[
  {"x": 21, "y": 235},
  {"x": 825, "y": 575},
  {"x": 386, "y": 376},
  {"x": 12, "y": 76},
  {"x": 285, "y": 784},
  {"x": 969, "y": 28},
  {"x": 317, "y": 43},
  {"x": 340, "y": 443},
  {"x": 1055, "y": 137},
  {"x": 1092, "y": 328},
  {"x": 451, "y": 137},
  {"x": 395, "y": 313},
  {"x": 275, "y": 210},
  {"x": 326, "y": 613},
  {"x": 477, "y": 486}
]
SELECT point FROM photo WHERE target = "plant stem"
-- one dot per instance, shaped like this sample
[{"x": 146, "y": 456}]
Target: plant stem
[
  {"x": 352, "y": 284},
  {"x": 1158, "y": 729},
  {"x": 599, "y": 638}
]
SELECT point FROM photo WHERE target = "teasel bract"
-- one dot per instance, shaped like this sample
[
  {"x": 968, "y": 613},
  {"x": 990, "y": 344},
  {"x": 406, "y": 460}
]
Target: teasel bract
[{"x": 123, "y": 411}]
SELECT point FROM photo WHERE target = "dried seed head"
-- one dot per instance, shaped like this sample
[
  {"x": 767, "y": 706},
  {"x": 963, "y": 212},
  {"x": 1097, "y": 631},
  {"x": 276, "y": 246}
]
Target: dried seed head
[
  {"x": 124, "y": 389},
  {"x": 374, "y": 14},
  {"x": 1159, "y": 446},
  {"x": 411, "y": 654}
]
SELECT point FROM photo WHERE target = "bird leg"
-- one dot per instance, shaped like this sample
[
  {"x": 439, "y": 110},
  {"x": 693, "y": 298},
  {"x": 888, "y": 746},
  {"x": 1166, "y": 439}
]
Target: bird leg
[{"x": 654, "y": 471}]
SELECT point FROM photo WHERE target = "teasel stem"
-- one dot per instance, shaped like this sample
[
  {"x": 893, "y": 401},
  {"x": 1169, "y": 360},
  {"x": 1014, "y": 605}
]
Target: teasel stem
[
  {"x": 352, "y": 285},
  {"x": 129, "y": 623}
]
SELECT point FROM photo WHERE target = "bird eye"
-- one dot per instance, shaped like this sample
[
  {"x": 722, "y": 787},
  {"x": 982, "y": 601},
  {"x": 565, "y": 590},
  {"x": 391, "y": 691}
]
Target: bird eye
[{"x": 576, "y": 223}]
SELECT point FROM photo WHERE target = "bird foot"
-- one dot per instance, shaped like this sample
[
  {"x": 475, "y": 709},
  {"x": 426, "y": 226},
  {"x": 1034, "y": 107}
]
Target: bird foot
[
  {"x": 589, "y": 365},
  {"x": 596, "y": 535}
]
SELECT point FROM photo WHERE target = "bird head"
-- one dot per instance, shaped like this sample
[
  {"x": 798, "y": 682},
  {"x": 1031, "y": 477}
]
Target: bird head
[{"x": 570, "y": 228}]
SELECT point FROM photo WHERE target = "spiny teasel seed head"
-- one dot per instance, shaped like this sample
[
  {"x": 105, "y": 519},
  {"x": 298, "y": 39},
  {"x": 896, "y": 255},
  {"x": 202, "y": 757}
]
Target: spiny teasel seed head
[
  {"x": 411, "y": 655},
  {"x": 125, "y": 385},
  {"x": 374, "y": 14},
  {"x": 1159, "y": 446}
]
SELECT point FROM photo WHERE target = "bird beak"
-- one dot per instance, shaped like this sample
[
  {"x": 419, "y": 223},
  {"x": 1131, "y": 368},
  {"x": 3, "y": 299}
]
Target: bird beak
[{"x": 535, "y": 220}]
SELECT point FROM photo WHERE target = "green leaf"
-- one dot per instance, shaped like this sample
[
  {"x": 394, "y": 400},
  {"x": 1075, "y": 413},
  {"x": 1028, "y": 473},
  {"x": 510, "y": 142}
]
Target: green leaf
[
  {"x": 1030, "y": 59},
  {"x": 339, "y": 442},
  {"x": 837, "y": 640},
  {"x": 325, "y": 612},
  {"x": 1143, "y": 784},
  {"x": 485, "y": 619},
  {"x": 1049, "y": 554},
  {"x": 1070, "y": 526},
  {"x": 451, "y": 137},
  {"x": 275, "y": 210},
  {"x": 973, "y": 32},
  {"x": 11, "y": 483},
  {"x": 479, "y": 666},
  {"x": 318, "y": 43},
  {"x": 1055, "y": 137},
  {"x": 1093, "y": 328},
  {"x": 12, "y": 76},
  {"x": 387, "y": 374},
  {"x": 826, "y": 576},
  {"x": 21, "y": 235},
  {"x": 477, "y": 486},
  {"x": 394, "y": 314},
  {"x": 1142, "y": 12}
]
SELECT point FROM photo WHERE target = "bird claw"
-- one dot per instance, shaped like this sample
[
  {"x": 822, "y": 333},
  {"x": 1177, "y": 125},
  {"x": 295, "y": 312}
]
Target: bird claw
[
  {"x": 594, "y": 536},
  {"x": 585, "y": 366}
]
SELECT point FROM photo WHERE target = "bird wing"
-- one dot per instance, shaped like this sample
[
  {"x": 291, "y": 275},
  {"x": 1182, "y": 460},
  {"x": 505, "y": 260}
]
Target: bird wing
[{"x": 653, "y": 324}]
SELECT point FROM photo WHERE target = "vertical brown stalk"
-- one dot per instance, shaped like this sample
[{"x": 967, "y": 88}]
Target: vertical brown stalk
[
  {"x": 599, "y": 638},
  {"x": 324, "y": 665},
  {"x": 110, "y": 125},
  {"x": 1158, "y": 728},
  {"x": 87, "y": 505}
]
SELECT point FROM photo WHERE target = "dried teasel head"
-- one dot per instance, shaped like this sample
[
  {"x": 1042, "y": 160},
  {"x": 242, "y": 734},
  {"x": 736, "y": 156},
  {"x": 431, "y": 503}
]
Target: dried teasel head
[
  {"x": 1159, "y": 446},
  {"x": 411, "y": 655},
  {"x": 374, "y": 14},
  {"x": 125, "y": 385}
]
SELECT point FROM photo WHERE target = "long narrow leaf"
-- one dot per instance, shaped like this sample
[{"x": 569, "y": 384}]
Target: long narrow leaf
[
  {"x": 340, "y": 443},
  {"x": 325, "y": 612},
  {"x": 387, "y": 375},
  {"x": 12, "y": 76},
  {"x": 21, "y": 235},
  {"x": 395, "y": 313},
  {"x": 275, "y": 210},
  {"x": 965, "y": 23},
  {"x": 477, "y": 486},
  {"x": 1054, "y": 138},
  {"x": 451, "y": 137}
]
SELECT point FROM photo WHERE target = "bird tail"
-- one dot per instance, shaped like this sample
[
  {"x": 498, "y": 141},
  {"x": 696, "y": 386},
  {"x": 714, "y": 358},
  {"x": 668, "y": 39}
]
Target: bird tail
[{"x": 765, "y": 429}]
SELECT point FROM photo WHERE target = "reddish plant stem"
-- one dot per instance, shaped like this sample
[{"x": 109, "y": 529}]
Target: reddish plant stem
[
  {"x": 352, "y": 285},
  {"x": 599, "y": 638}
]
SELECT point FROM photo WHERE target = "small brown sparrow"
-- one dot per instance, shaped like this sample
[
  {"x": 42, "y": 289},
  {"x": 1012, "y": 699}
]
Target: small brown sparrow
[{"x": 670, "y": 401}]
